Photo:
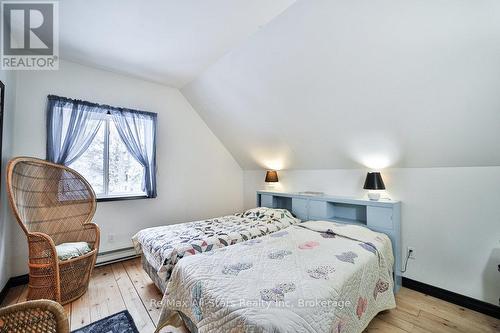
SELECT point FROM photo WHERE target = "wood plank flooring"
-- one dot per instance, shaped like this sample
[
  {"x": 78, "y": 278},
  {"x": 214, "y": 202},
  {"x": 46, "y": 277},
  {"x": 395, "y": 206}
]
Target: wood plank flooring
[{"x": 125, "y": 285}]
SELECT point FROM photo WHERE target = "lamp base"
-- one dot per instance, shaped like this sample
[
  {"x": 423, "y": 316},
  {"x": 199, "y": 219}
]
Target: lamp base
[
  {"x": 271, "y": 186},
  {"x": 374, "y": 196}
]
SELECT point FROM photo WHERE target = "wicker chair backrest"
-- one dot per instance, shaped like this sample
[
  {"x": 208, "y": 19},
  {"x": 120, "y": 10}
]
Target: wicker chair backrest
[{"x": 49, "y": 198}]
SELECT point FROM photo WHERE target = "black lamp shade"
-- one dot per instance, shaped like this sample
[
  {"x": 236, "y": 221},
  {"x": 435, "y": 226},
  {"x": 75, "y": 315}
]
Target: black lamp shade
[
  {"x": 374, "y": 181},
  {"x": 271, "y": 176}
]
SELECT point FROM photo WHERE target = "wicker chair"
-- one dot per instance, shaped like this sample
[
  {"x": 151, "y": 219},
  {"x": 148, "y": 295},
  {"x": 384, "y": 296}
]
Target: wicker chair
[
  {"x": 42, "y": 316},
  {"x": 53, "y": 204}
]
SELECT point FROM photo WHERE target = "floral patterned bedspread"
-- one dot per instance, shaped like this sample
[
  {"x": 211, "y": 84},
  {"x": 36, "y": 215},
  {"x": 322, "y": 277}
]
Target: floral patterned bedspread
[
  {"x": 314, "y": 277},
  {"x": 164, "y": 246}
]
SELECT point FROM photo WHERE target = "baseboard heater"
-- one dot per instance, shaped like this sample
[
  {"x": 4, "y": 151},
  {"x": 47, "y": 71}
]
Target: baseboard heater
[{"x": 109, "y": 257}]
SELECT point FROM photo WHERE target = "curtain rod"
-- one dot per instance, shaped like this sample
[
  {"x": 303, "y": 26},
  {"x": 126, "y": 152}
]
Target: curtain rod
[{"x": 102, "y": 106}]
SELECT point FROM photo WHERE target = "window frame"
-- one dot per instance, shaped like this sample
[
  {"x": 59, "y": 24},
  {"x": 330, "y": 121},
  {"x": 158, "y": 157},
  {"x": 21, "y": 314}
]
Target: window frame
[
  {"x": 106, "y": 196},
  {"x": 122, "y": 198}
]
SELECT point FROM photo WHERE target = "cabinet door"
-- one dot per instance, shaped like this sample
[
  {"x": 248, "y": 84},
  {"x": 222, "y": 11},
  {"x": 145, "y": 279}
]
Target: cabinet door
[
  {"x": 379, "y": 217},
  {"x": 318, "y": 210},
  {"x": 299, "y": 208},
  {"x": 266, "y": 200}
]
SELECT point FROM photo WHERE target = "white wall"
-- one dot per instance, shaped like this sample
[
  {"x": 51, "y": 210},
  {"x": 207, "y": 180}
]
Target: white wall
[
  {"x": 450, "y": 215},
  {"x": 197, "y": 177},
  {"x": 6, "y": 251}
]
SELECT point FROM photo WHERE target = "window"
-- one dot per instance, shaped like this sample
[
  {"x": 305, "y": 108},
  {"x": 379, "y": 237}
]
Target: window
[
  {"x": 113, "y": 148},
  {"x": 109, "y": 167}
]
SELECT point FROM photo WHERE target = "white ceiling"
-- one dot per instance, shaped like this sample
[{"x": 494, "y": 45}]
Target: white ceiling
[
  {"x": 168, "y": 41},
  {"x": 342, "y": 84}
]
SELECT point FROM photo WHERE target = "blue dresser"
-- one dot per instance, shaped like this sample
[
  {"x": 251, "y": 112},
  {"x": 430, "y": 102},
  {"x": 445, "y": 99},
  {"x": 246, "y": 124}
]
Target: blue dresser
[{"x": 381, "y": 216}]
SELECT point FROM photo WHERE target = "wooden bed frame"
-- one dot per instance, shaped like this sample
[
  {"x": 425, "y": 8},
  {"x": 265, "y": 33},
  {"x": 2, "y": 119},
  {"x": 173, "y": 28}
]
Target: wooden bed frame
[{"x": 382, "y": 216}]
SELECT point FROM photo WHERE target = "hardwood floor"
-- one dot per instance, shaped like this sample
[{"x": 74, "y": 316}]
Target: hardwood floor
[{"x": 125, "y": 285}]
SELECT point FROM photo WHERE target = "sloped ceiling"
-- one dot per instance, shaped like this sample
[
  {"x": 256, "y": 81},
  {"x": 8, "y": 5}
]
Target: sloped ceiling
[
  {"x": 344, "y": 84},
  {"x": 167, "y": 41}
]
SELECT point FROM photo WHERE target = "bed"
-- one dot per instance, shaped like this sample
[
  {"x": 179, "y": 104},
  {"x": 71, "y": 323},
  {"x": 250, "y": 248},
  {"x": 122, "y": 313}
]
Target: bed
[
  {"x": 318, "y": 276},
  {"x": 161, "y": 248}
]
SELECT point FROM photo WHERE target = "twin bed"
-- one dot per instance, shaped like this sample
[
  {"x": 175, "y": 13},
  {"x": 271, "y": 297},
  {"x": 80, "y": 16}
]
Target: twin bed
[
  {"x": 163, "y": 247},
  {"x": 264, "y": 271}
]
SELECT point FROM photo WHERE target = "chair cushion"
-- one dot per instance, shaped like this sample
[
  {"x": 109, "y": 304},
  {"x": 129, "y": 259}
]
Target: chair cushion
[{"x": 67, "y": 251}]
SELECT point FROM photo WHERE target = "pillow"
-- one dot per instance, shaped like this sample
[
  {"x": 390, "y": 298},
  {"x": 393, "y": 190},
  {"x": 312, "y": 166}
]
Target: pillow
[
  {"x": 270, "y": 214},
  {"x": 67, "y": 251}
]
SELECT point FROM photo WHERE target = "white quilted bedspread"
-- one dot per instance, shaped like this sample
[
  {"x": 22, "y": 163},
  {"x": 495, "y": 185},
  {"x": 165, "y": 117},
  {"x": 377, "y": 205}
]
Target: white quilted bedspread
[{"x": 314, "y": 277}]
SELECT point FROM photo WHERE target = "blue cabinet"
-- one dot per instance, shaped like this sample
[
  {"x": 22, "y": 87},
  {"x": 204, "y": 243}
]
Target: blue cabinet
[
  {"x": 300, "y": 208},
  {"x": 318, "y": 210},
  {"x": 380, "y": 217},
  {"x": 266, "y": 200}
]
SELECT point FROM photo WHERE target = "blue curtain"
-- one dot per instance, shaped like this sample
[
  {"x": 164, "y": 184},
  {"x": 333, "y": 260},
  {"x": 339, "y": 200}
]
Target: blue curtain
[
  {"x": 71, "y": 127},
  {"x": 138, "y": 131},
  {"x": 73, "y": 124}
]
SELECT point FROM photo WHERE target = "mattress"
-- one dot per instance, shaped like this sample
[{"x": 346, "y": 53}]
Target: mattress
[
  {"x": 163, "y": 247},
  {"x": 160, "y": 283},
  {"x": 316, "y": 277}
]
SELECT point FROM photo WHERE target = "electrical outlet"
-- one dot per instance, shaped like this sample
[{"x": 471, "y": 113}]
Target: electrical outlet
[{"x": 411, "y": 252}]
